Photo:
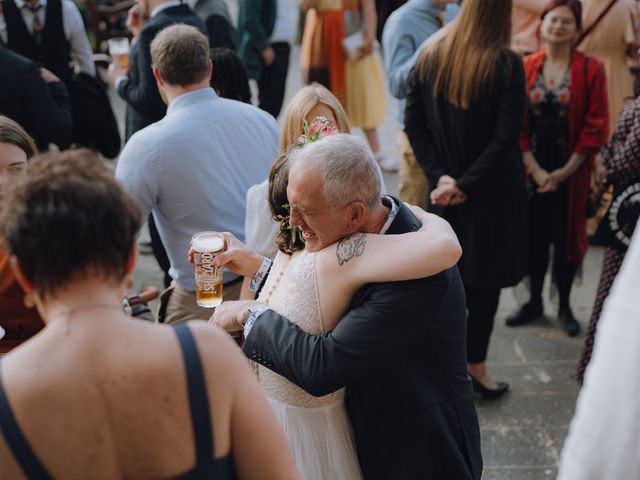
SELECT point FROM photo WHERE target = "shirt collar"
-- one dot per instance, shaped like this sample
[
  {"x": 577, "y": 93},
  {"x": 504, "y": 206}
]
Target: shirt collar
[
  {"x": 190, "y": 98},
  {"x": 163, "y": 6},
  {"x": 392, "y": 214},
  {"x": 20, "y": 3}
]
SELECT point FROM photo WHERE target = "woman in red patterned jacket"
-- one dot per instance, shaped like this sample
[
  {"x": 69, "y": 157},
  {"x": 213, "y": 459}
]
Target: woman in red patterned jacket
[{"x": 566, "y": 123}]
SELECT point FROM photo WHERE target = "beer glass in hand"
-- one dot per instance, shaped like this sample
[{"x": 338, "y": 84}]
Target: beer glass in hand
[
  {"x": 208, "y": 276},
  {"x": 119, "y": 52}
]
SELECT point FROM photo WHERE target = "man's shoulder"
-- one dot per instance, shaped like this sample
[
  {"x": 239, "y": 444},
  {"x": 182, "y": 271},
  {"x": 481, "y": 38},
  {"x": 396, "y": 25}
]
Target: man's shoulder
[
  {"x": 249, "y": 112},
  {"x": 436, "y": 288},
  {"x": 178, "y": 14}
]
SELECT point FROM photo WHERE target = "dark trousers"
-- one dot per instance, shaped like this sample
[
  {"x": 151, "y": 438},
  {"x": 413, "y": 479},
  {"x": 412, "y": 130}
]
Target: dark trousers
[
  {"x": 273, "y": 80},
  {"x": 548, "y": 224},
  {"x": 482, "y": 305},
  {"x": 158, "y": 250}
]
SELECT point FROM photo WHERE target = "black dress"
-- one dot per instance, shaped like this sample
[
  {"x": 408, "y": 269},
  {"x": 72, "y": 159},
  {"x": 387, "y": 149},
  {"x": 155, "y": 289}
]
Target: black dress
[{"x": 478, "y": 147}]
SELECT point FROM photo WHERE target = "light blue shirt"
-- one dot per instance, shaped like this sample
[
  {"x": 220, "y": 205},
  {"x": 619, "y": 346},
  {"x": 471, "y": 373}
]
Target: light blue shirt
[
  {"x": 404, "y": 32},
  {"x": 193, "y": 168}
]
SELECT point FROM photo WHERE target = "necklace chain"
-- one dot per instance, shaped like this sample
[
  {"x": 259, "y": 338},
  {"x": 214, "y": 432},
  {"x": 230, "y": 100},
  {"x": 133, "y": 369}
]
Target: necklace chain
[{"x": 81, "y": 308}]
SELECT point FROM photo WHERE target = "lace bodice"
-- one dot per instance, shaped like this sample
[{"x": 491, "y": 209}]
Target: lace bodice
[{"x": 292, "y": 291}]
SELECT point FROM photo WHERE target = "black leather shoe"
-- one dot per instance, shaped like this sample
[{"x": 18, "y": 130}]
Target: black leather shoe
[
  {"x": 569, "y": 323},
  {"x": 489, "y": 393},
  {"x": 527, "y": 314}
]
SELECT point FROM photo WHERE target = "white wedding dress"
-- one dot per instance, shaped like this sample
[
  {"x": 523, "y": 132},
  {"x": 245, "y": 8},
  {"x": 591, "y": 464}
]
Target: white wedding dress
[{"x": 317, "y": 428}]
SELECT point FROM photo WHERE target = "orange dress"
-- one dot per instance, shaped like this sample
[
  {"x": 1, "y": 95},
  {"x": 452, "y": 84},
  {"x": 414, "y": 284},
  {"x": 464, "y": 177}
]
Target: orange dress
[
  {"x": 609, "y": 42},
  {"x": 358, "y": 84},
  {"x": 19, "y": 322}
]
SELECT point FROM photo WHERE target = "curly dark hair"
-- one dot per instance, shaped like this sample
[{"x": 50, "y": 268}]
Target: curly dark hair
[
  {"x": 279, "y": 204},
  {"x": 69, "y": 220}
]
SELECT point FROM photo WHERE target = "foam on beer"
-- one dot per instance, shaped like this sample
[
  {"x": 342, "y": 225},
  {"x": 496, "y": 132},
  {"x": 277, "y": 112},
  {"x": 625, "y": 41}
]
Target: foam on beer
[{"x": 207, "y": 244}]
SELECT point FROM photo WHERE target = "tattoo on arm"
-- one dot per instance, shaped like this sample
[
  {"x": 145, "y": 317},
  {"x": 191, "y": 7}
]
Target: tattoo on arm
[{"x": 350, "y": 247}]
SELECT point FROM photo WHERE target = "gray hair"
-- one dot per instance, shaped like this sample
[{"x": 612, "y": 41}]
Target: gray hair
[
  {"x": 347, "y": 167},
  {"x": 181, "y": 55}
]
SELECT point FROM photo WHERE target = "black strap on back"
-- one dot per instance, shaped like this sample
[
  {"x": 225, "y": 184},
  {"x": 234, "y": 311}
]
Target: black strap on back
[
  {"x": 22, "y": 452},
  {"x": 585, "y": 33},
  {"x": 198, "y": 399}
]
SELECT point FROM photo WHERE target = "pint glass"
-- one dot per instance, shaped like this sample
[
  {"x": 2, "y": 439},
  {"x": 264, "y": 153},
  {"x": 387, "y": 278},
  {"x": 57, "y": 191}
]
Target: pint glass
[
  {"x": 208, "y": 276},
  {"x": 119, "y": 51}
]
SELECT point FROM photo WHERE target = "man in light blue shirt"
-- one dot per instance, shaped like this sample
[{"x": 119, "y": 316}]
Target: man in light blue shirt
[
  {"x": 405, "y": 31},
  {"x": 192, "y": 169}
]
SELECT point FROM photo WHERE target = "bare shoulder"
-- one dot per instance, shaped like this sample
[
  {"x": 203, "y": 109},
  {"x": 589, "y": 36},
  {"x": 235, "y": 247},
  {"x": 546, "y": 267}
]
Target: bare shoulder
[{"x": 216, "y": 347}]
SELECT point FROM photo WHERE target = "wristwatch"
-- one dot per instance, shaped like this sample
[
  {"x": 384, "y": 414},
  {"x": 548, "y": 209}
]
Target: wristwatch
[{"x": 252, "y": 315}]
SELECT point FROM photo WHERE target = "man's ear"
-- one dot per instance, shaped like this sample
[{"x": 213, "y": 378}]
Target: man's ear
[
  {"x": 357, "y": 212},
  {"x": 157, "y": 76},
  {"x": 18, "y": 272},
  {"x": 210, "y": 70}
]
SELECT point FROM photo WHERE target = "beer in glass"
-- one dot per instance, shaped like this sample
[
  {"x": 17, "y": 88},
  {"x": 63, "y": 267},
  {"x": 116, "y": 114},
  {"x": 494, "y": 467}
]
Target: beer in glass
[
  {"x": 119, "y": 51},
  {"x": 208, "y": 276}
]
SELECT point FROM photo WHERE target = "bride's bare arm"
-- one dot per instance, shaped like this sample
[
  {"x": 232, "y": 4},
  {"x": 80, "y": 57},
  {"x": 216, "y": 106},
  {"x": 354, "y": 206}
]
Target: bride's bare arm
[{"x": 364, "y": 257}]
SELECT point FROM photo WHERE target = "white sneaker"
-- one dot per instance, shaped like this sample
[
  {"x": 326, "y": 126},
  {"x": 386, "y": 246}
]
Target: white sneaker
[{"x": 388, "y": 164}]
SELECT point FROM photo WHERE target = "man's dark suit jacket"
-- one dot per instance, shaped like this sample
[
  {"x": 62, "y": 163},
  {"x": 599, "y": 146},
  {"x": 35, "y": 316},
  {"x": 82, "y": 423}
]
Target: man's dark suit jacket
[
  {"x": 401, "y": 353},
  {"x": 43, "y": 110},
  {"x": 139, "y": 90}
]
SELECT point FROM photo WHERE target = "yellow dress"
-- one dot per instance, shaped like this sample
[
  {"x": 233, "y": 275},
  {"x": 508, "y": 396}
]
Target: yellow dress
[{"x": 608, "y": 42}]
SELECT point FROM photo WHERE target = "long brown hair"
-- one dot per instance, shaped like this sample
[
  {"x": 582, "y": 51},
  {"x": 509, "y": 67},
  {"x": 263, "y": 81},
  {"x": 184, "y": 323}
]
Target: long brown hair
[{"x": 464, "y": 60}]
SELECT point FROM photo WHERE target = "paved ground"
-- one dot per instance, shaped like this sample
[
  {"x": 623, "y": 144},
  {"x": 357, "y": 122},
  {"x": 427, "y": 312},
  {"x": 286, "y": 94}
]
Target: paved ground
[{"x": 522, "y": 433}]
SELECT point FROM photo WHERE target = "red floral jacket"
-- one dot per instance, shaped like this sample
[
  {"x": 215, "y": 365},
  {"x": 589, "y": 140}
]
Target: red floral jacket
[{"x": 588, "y": 132}]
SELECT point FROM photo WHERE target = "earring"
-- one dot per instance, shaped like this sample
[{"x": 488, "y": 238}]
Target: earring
[
  {"x": 30, "y": 300},
  {"x": 128, "y": 283}
]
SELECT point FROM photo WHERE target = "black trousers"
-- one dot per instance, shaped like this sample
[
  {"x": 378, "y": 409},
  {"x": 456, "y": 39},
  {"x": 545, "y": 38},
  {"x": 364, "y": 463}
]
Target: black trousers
[
  {"x": 548, "y": 224},
  {"x": 273, "y": 80},
  {"x": 482, "y": 305}
]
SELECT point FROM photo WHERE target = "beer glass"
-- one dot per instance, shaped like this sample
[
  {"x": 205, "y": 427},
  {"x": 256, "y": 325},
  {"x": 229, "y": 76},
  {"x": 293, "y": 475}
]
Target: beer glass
[
  {"x": 208, "y": 276},
  {"x": 119, "y": 51}
]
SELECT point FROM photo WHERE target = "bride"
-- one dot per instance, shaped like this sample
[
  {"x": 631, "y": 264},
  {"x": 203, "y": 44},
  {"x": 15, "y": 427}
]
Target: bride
[{"x": 314, "y": 291}]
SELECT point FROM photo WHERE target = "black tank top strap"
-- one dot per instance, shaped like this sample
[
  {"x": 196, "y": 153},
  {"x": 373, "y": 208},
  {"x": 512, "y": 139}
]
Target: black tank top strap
[
  {"x": 198, "y": 398},
  {"x": 18, "y": 444}
]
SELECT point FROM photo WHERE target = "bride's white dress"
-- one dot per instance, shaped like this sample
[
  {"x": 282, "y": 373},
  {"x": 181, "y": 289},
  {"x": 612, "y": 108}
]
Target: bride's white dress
[{"x": 317, "y": 428}]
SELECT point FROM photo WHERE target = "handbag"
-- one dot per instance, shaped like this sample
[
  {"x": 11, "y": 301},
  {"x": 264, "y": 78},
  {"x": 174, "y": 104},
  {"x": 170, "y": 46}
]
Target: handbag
[{"x": 616, "y": 227}]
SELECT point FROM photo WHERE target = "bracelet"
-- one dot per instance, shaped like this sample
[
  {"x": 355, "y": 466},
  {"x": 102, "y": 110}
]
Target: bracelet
[{"x": 262, "y": 272}]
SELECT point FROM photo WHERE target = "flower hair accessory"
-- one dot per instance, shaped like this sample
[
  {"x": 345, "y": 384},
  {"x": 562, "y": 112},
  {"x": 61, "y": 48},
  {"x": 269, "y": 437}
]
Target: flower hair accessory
[{"x": 319, "y": 128}]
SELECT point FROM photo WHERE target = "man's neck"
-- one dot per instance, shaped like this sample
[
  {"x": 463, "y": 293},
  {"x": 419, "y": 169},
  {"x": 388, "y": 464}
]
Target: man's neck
[
  {"x": 376, "y": 218},
  {"x": 172, "y": 92}
]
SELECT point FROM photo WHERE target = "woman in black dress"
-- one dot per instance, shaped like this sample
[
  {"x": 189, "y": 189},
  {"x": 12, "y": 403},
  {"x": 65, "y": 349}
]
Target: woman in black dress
[
  {"x": 464, "y": 114},
  {"x": 97, "y": 394}
]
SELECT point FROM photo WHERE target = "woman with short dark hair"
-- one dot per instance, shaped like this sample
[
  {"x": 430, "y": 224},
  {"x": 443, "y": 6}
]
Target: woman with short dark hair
[{"x": 96, "y": 392}]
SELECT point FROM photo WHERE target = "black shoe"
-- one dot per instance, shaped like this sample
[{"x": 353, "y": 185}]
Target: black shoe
[
  {"x": 527, "y": 314},
  {"x": 489, "y": 393},
  {"x": 569, "y": 323}
]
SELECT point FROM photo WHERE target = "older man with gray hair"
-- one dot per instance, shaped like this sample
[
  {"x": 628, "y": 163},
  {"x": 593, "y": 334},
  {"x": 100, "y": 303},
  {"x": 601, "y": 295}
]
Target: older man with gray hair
[
  {"x": 400, "y": 350},
  {"x": 192, "y": 169}
]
